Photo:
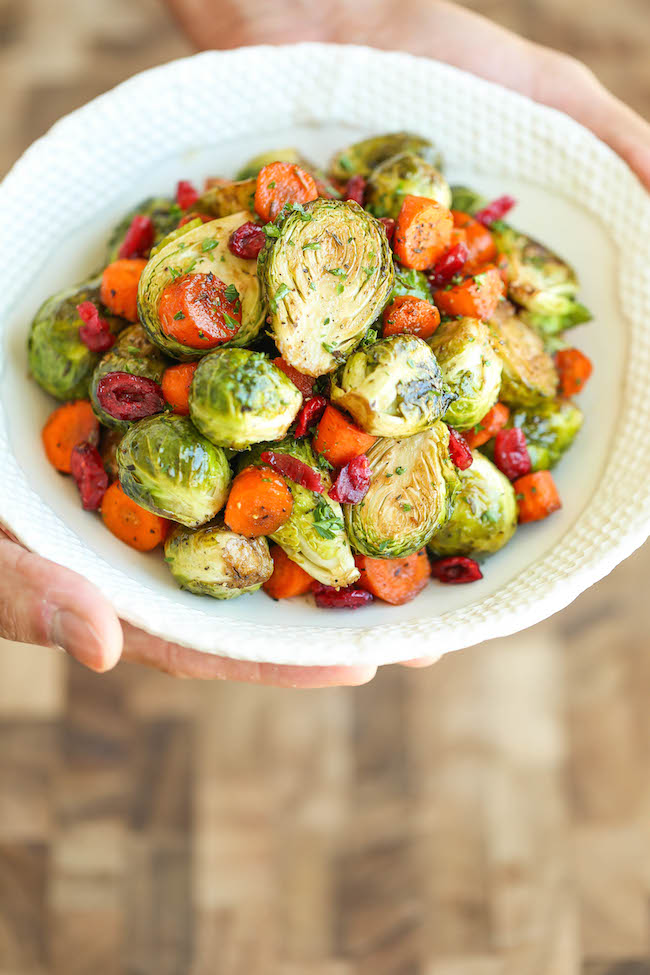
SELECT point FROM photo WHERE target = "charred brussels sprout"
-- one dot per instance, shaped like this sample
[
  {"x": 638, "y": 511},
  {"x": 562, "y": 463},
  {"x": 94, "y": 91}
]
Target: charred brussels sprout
[
  {"x": 550, "y": 429},
  {"x": 167, "y": 467},
  {"x": 362, "y": 157},
  {"x": 327, "y": 274},
  {"x": 484, "y": 518},
  {"x": 408, "y": 281},
  {"x": 314, "y": 535},
  {"x": 132, "y": 353},
  {"x": 239, "y": 398},
  {"x": 213, "y": 561},
  {"x": 200, "y": 258},
  {"x": 393, "y": 387},
  {"x": 58, "y": 359},
  {"x": 400, "y": 176},
  {"x": 227, "y": 198},
  {"x": 529, "y": 375},
  {"x": 410, "y": 497},
  {"x": 164, "y": 213},
  {"x": 469, "y": 367}
]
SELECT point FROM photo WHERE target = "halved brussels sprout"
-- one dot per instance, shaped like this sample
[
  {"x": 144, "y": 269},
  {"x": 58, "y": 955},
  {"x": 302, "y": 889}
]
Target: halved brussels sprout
[
  {"x": 410, "y": 497},
  {"x": 132, "y": 353},
  {"x": 327, "y": 275},
  {"x": 408, "y": 281},
  {"x": 400, "y": 176},
  {"x": 250, "y": 169},
  {"x": 466, "y": 200},
  {"x": 238, "y": 398},
  {"x": 314, "y": 535},
  {"x": 393, "y": 387},
  {"x": 550, "y": 429},
  {"x": 165, "y": 466},
  {"x": 469, "y": 367},
  {"x": 164, "y": 213},
  {"x": 201, "y": 252},
  {"x": 362, "y": 157},
  {"x": 484, "y": 518},
  {"x": 228, "y": 198},
  {"x": 58, "y": 360},
  {"x": 529, "y": 375},
  {"x": 213, "y": 561}
]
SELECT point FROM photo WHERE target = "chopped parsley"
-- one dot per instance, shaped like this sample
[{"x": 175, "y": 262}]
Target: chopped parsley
[
  {"x": 271, "y": 230},
  {"x": 338, "y": 271},
  {"x": 329, "y": 347},
  {"x": 175, "y": 272},
  {"x": 135, "y": 351},
  {"x": 340, "y": 289},
  {"x": 399, "y": 470},
  {"x": 345, "y": 164},
  {"x": 178, "y": 316},
  {"x": 314, "y": 245},
  {"x": 231, "y": 293},
  {"x": 323, "y": 461},
  {"x": 370, "y": 337},
  {"x": 479, "y": 280},
  {"x": 406, "y": 506},
  {"x": 326, "y": 523},
  {"x": 209, "y": 244},
  {"x": 230, "y": 322},
  {"x": 279, "y": 294},
  {"x": 326, "y": 321}
]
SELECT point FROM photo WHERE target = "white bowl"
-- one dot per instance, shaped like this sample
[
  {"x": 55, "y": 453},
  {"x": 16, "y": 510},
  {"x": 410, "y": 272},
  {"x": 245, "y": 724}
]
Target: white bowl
[{"x": 204, "y": 116}]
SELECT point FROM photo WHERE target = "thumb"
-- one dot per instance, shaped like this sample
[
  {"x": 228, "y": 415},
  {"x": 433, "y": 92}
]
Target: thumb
[{"x": 43, "y": 603}]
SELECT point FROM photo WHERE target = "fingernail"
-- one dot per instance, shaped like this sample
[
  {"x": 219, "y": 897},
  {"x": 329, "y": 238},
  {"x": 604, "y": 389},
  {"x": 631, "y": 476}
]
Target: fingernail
[{"x": 74, "y": 635}]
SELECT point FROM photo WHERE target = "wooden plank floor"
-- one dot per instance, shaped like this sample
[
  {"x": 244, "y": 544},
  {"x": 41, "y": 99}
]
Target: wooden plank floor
[{"x": 489, "y": 816}]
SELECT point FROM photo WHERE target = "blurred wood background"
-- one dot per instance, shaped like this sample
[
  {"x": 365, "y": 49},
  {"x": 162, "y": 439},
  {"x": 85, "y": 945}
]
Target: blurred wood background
[{"x": 488, "y": 816}]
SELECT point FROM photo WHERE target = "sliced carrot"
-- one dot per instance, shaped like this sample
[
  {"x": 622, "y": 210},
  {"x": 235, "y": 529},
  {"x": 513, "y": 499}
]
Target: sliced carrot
[
  {"x": 304, "y": 383},
  {"x": 493, "y": 421},
  {"x": 199, "y": 310},
  {"x": 259, "y": 502},
  {"x": 280, "y": 183},
  {"x": 176, "y": 382},
  {"x": 119, "y": 287},
  {"x": 478, "y": 239},
  {"x": 574, "y": 369},
  {"x": 475, "y": 297},
  {"x": 135, "y": 526},
  {"x": 537, "y": 496},
  {"x": 396, "y": 581},
  {"x": 423, "y": 232},
  {"x": 288, "y": 578},
  {"x": 413, "y": 315},
  {"x": 338, "y": 439},
  {"x": 67, "y": 426}
]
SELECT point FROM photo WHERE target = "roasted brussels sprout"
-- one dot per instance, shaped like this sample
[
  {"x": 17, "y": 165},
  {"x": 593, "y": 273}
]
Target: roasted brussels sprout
[
  {"x": 132, "y": 353},
  {"x": 484, "y": 518},
  {"x": 201, "y": 258},
  {"x": 408, "y": 281},
  {"x": 164, "y": 213},
  {"x": 313, "y": 536},
  {"x": 58, "y": 359},
  {"x": 227, "y": 198},
  {"x": 239, "y": 398},
  {"x": 410, "y": 497},
  {"x": 400, "y": 176},
  {"x": 327, "y": 275},
  {"x": 362, "y": 157},
  {"x": 469, "y": 367},
  {"x": 213, "y": 561},
  {"x": 529, "y": 375},
  {"x": 165, "y": 466},
  {"x": 550, "y": 429},
  {"x": 392, "y": 387},
  {"x": 466, "y": 200}
]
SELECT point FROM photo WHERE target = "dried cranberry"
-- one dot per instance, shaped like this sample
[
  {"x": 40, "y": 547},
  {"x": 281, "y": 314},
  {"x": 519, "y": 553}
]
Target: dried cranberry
[
  {"x": 186, "y": 194},
  {"x": 511, "y": 453},
  {"x": 450, "y": 264},
  {"x": 355, "y": 189},
  {"x": 455, "y": 570},
  {"x": 294, "y": 469},
  {"x": 459, "y": 451},
  {"x": 496, "y": 210},
  {"x": 389, "y": 226},
  {"x": 139, "y": 238},
  {"x": 247, "y": 241},
  {"x": 128, "y": 397},
  {"x": 352, "y": 481},
  {"x": 95, "y": 333},
  {"x": 327, "y": 597},
  {"x": 310, "y": 413},
  {"x": 88, "y": 471}
]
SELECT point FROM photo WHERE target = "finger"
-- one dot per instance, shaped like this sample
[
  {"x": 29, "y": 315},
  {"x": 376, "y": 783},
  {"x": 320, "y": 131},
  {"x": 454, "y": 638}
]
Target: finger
[
  {"x": 419, "y": 662},
  {"x": 43, "y": 603},
  {"x": 179, "y": 661}
]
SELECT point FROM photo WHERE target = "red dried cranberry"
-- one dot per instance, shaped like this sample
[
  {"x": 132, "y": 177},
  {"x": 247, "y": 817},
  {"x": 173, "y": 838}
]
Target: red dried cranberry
[
  {"x": 355, "y": 189},
  {"x": 459, "y": 451},
  {"x": 450, "y": 264},
  {"x": 186, "y": 194},
  {"x": 310, "y": 413},
  {"x": 139, "y": 238},
  {"x": 327, "y": 597},
  {"x": 352, "y": 481},
  {"x": 511, "y": 453},
  {"x": 456, "y": 569},
  {"x": 128, "y": 397},
  {"x": 389, "y": 226},
  {"x": 496, "y": 210},
  {"x": 247, "y": 241},
  {"x": 88, "y": 471},
  {"x": 95, "y": 333},
  {"x": 294, "y": 469}
]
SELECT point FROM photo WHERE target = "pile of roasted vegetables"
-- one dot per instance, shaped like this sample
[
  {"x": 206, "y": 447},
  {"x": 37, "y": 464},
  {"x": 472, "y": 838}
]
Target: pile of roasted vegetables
[{"x": 365, "y": 368}]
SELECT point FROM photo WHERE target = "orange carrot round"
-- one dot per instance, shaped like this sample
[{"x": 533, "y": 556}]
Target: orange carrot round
[
  {"x": 135, "y": 526},
  {"x": 338, "y": 439},
  {"x": 176, "y": 382},
  {"x": 574, "y": 369},
  {"x": 423, "y": 232},
  {"x": 475, "y": 297},
  {"x": 493, "y": 421},
  {"x": 119, "y": 287},
  {"x": 280, "y": 183},
  {"x": 478, "y": 239},
  {"x": 395, "y": 581},
  {"x": 67, "y": 426},
  {"x": 259, "y": 502},
  {"x": 288, "y": 578},
  {"x": 537, "y": 496},
  {"x": 413, "y": 315},
  {"x": 199, "y": 311}
]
